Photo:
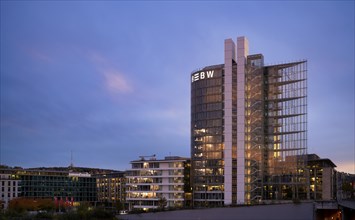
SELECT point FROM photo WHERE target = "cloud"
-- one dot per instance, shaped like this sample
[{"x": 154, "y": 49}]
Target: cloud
[{"x": 116, "y": 82}]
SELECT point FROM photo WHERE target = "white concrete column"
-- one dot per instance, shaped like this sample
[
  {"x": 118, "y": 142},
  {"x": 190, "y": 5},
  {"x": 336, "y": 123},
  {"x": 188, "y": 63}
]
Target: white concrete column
[
  {"x": 229, "y": 56},
  {"x": 242, "y": 53}
]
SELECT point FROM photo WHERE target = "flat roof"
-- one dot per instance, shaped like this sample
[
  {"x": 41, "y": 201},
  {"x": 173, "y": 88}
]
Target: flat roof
[
  {"x": 325, "y": 160},
  {"x": 166, "y": 159}
]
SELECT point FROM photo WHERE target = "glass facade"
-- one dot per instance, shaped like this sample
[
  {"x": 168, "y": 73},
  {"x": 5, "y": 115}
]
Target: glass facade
[
  {"x": 55, "y": 184},
  {"x": 286, "y": 131},
  {"x": 60, "y": 186},
  {"x": 276, "y": 141},
  {"x": 207, "y": 138}
]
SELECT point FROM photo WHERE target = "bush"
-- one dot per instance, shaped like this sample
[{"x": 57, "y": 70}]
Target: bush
[
  {"x": 100, "y": 213},
  {"x": 27, "y": 204},
  {"x": 44, "y": 215},
  {"x": 11, "y": 214},
  {"x": 69, "y": 216}
]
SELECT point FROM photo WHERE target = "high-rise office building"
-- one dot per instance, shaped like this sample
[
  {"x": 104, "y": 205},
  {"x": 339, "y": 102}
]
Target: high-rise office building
[{"x": 248, "y": 129}]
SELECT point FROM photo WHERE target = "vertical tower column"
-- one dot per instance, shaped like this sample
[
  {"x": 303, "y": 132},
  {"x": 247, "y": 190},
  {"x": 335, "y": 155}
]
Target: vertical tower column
[
  {"x": 229, "y": 56},
  {"x": 242, "y": 53}
]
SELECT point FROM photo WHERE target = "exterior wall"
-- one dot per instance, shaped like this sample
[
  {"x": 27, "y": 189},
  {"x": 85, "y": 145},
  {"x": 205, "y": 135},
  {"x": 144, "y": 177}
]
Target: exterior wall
[
  {"x": 322, "y": 177},
  {"x": 327, "y": 183},
  {"x": 9, "y": 185},
  {"x": 229, "y": 58},
  {"x": 242, "y": 52},
  {"x": 60, "y": 185},
  {"x": 153, "y": 184},
  {"x": 208, "y": 150},
  {"x": 111, "y": 188}
]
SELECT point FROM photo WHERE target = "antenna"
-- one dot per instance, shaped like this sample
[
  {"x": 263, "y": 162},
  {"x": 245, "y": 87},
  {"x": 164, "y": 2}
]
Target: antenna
[{"x": 71, "y": 159}]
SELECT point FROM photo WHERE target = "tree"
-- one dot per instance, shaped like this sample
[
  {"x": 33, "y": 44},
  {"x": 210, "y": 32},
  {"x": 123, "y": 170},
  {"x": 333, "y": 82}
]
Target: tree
[
  {"x": 22, "y": 205},
  {"x": 2, "y": 204},
  {"x": 348, "y": 189},
  {"x": 119, "y": 206},
  {"x": 162, "y": 203},
  {"x": 27, "y": 204}
]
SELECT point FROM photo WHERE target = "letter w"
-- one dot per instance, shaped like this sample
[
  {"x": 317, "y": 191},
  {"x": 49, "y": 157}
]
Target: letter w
[{"x": 210, "y": 74}]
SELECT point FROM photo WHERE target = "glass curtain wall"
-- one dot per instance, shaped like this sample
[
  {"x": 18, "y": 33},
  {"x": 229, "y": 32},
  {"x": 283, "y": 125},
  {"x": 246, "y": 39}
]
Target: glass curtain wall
[
  {"x": 207, "y": 164},
  {"x": 286, "y": 120}
]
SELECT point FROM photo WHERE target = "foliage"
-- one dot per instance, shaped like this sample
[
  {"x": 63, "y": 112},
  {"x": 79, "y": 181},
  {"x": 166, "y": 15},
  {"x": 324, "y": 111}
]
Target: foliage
[
  {"x": 347, "y": 187},
  {"x": 89, "y": 214},
  {"x": 45, "y": 204},
  {"x": 12, "y": 214},
  {"x": 100, "y": 213},
  {"x": 44, "y": 215},
  {"x": 26, "y": 204},
  {"x": 162, "y": 202},
  {"x": 119, "y": 206}
]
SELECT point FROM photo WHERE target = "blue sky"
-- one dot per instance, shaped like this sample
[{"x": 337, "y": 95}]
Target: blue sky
[{"x": 110, "y": 81}]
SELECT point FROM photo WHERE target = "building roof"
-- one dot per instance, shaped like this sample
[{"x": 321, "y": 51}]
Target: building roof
[
  {"x": 324, "y": 161},
  {"x": 166, "y": 159}
]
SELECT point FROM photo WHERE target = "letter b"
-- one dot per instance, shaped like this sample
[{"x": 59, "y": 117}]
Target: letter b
[{"x": 202, "y": 75}]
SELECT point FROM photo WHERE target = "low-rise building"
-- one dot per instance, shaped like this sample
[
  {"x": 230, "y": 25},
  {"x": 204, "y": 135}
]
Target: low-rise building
[
  {"x": 111, "y": 189},
  {"x": 345, "y": 186},
  {"x": 9, "y": 184},
  {"x": 61, "y": 186},
  {"x": 322, "y": 178},
  {"x": 153, "y": 184}
]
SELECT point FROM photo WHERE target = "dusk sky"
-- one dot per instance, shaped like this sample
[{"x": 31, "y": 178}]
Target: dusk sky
[{"x": 110, "y": 81}]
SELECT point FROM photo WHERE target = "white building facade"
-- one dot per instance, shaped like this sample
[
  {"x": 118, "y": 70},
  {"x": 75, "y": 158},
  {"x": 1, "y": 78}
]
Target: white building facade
[
  {"x": 9, "y": 185},
  {"x": 153, "y": 184}
]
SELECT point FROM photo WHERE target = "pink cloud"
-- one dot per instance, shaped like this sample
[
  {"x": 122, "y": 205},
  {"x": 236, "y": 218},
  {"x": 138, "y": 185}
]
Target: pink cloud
[{"x": 115, "y": 82}]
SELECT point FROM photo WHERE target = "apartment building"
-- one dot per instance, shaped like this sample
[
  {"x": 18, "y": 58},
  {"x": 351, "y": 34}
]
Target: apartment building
[{"x": 157, "y": 183}]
